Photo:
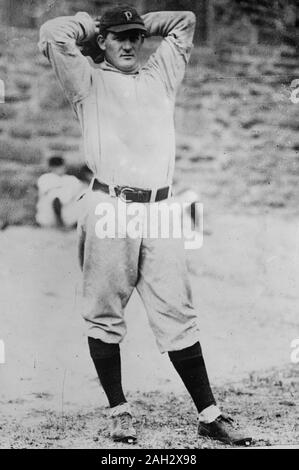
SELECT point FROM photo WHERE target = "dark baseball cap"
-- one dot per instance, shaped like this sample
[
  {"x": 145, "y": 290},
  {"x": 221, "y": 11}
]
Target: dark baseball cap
[{"x": 121, "y": 18}]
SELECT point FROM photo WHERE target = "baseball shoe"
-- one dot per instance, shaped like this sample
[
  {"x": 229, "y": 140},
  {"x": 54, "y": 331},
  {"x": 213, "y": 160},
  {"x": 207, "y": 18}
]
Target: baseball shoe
[
  {"x": 222, "y": 430},
  {"x": 122, "y": 429}
]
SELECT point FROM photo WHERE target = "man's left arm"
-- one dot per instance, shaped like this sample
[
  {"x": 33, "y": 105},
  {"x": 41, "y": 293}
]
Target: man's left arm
[{"x": 170, "y": 59}]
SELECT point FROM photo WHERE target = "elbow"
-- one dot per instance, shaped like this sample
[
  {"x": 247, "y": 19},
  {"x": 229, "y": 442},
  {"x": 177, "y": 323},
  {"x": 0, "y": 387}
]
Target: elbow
[
  {"x": 52, "y": 29},
  {"x": 190, "y": 18},
  {"x": 45, "y": 32},
  {"x": 187, "y": 20}
]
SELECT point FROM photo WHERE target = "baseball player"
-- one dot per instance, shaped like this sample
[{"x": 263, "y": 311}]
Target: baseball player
[
  {"x": 57, "y": 196},
  {"x": 126, "y": 114}
]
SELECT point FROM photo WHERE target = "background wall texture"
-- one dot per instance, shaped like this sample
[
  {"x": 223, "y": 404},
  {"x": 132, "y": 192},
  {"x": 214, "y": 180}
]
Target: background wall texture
[{"x": 237, "y": 142}]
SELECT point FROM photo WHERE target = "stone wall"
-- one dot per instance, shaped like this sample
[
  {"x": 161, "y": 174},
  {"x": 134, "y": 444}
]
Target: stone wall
[
  {"x": 266, "y": 17},
  {"x": 236, "y": 107},
  {"x": 237, "y": 127}
]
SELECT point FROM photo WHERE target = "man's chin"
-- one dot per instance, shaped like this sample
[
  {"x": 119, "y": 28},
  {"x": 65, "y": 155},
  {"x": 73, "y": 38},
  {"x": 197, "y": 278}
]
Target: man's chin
[
  {"x": 124, "y": 65},
  {"x": 127, "y": 65}
]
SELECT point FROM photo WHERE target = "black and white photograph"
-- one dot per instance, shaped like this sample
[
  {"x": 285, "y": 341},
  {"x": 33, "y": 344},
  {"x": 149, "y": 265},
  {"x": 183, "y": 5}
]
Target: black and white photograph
[{"x": 149, "y": 227}]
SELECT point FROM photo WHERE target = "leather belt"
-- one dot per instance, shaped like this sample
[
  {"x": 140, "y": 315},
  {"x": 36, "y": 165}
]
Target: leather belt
[{"x": 130, "y": 194}]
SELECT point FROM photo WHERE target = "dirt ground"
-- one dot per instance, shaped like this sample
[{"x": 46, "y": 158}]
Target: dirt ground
[{"x": 245, "y": 285}]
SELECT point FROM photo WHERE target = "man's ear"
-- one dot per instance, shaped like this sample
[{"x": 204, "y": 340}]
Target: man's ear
[{"x": 101, "y": 42}]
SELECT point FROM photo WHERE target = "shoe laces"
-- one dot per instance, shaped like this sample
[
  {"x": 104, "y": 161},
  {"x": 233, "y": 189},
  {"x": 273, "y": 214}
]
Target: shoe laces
[
  {"x": 125, "y": 420},
  {"x": 226, "y": 419}
]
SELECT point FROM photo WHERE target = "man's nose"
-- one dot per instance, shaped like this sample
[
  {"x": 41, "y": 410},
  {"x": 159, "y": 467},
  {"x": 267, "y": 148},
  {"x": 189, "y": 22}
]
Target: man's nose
[{"x": 127, "y": 45}]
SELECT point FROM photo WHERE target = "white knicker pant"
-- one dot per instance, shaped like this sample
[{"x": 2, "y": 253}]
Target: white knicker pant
[{"x": 113, "y": 267}]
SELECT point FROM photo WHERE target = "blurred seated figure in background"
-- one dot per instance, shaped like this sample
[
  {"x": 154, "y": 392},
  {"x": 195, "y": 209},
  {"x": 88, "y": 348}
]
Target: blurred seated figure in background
[{"x": 58, "y": 194}]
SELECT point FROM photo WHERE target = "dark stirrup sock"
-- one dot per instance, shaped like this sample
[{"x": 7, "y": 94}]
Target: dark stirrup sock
[
  {"x": 190, "y": 365},
  {"x": 106, "y": 358}
]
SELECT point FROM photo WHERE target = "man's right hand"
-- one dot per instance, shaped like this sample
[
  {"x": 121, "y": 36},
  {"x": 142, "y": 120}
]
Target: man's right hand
[{"x": 90, "y": 47}]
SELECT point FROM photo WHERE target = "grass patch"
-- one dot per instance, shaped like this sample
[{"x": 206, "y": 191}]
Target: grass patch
[{"x": 264, "y": 405}]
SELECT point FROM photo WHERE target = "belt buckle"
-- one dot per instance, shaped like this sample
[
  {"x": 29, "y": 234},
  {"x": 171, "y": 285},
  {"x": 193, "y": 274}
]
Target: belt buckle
[{"x": 122, "y": 193}]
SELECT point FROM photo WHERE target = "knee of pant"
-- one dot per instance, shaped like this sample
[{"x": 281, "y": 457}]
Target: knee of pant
[
  {"x": 186, "y": 353},
  {"x": 100, "y": 350}
]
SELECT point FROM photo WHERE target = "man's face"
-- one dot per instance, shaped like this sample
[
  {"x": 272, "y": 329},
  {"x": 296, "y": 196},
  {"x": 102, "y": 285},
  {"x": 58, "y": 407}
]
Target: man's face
[{"x": 122, "y": 49}]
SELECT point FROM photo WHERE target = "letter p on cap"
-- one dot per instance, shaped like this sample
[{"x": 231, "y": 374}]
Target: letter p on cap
[{"x": 2, "y": 352}]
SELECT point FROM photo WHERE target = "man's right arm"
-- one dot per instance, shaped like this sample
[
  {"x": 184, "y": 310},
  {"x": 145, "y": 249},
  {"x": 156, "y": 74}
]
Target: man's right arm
[{"x": 59, "y": 39}]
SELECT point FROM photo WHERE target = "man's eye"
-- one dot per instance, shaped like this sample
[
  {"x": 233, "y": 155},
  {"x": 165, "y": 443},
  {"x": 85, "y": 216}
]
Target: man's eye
[{"x": 134, "y": 38}]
